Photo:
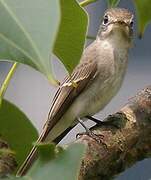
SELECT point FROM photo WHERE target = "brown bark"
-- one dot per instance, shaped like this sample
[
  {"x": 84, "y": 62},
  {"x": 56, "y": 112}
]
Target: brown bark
[
  {"x": 7, "y": 159},
  {"x": 123, "y": 143}
]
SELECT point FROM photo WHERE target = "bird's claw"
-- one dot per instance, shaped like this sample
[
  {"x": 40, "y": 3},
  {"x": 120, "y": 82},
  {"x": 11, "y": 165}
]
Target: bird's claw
[{"x": 97, "y": 138}]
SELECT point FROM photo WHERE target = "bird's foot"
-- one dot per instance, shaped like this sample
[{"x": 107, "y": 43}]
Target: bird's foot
[{"x": 98, "y": 138}]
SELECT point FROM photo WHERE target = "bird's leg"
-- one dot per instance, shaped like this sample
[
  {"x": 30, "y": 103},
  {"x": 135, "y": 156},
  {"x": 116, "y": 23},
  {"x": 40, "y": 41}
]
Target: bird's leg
[
  {"x": 97, "y": 121},
  {"x": 104, "y": 123},
  {"x": 89, "y": 133},
  {"x": 84, "y": 126}
]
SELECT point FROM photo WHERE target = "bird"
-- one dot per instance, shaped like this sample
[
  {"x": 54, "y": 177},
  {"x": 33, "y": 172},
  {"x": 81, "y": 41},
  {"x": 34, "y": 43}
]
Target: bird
[{"x": 94, "y": 81}]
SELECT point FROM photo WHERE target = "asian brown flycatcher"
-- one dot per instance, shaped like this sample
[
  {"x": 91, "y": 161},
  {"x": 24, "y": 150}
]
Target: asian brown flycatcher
[{"x": 94, "y": 81}]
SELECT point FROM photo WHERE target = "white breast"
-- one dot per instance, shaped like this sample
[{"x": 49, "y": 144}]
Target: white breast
[
  {"x": 112, "y": 63},
  {"x": 103, "y": 89}
]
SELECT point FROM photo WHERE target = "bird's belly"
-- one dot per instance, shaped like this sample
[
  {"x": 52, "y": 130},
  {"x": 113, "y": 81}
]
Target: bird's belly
[
  {"x": 101, "y": 98},
  {"x": 96, "y": 97}
]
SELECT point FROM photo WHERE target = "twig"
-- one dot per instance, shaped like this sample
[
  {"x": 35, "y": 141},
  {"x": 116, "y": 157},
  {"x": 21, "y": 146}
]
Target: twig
[
  {"x": 7, "y": 80},
  {"x": 87, "y": 2}
]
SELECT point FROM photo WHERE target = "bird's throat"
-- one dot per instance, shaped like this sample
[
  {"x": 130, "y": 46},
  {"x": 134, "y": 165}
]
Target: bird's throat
[{"x": 119, "y": 38}]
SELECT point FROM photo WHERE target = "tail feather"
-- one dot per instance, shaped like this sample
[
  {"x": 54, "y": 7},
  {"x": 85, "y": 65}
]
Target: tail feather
[
  {"x": 30, "y": 158},
  {"x": 28, "y": 162},
  {"x": 56, "y": 134}
]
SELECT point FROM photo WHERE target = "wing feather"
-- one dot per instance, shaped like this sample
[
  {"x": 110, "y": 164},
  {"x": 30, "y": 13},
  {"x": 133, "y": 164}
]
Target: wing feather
[{"x": 67, "y": 92}]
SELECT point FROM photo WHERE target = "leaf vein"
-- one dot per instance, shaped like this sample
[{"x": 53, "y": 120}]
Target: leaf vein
[
  {"x": 13, "y": 44},
  {"x": 27, "y": 35}
]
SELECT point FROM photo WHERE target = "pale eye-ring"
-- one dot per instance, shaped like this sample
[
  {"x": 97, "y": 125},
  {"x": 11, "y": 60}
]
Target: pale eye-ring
[{"x": 106, "y": 19}]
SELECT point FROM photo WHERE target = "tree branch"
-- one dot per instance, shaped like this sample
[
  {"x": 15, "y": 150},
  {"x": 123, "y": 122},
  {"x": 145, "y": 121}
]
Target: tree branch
[
  {"x": 7, "y": 159},
  {"x": 120, "y": 147}
]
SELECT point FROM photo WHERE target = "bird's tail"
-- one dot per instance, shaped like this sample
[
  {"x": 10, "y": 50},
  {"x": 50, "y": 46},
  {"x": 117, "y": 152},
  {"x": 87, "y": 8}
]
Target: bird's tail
[
  {"x": 34, "y": 154},
  {"x": 30, "y": 158},
  {"x": 52, "y": 132},
  {"x": 28, "y": 162}
]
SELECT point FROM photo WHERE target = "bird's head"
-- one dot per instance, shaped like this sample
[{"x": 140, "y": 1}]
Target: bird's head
[{"x": 117, "y": 25}]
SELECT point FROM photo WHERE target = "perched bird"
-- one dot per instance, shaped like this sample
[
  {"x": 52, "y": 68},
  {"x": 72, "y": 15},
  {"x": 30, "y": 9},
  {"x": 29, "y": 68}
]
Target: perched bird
[{"x": 94, "y": 81}]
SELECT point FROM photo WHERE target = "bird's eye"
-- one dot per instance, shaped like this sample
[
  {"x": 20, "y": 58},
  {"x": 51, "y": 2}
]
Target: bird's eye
[
  {"x": 131, "y": 23},
  {"x": 106, "y": 19}
]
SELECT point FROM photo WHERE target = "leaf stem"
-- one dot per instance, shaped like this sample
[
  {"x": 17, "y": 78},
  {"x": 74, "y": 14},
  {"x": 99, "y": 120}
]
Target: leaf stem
[
  {"x": 87, "y": 2},
  {"x": 7, "y": 80}
]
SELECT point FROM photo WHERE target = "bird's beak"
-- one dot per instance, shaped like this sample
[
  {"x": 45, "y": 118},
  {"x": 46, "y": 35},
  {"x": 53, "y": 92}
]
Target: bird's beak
[
  {"x": 122, "y": 26},
  {"x": 121, "y": 23}
]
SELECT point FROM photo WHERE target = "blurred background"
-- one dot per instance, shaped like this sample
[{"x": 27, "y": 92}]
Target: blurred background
[{"x": 32, "y": 93}]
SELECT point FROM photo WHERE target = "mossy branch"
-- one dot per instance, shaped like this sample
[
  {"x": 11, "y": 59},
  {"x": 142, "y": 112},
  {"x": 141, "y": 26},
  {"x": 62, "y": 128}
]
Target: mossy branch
[
  {"x": 7, "y": 160},
  {"x": 124, "y": 142}
]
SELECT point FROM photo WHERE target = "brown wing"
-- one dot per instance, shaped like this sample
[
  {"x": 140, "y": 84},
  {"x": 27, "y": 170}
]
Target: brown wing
[{"x": 71, "y": 87}]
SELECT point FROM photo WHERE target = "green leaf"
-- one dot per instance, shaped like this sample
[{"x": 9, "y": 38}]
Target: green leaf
[
  {"x": 16, "y": 130},
  {"x": 27, "y": 32},
  {"x": 72, "y": 33},
  {"x": 143, "y": 9},
  {"x": 65, "y": 166},
  {"x": 46, "y": 151},
  {"x": 113, "y": 3}
]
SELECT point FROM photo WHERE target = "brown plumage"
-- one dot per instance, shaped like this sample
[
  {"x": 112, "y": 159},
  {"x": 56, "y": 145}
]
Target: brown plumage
[
  {"x": 93, "y": 82},
  {"x": 66, "y": 93}
]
